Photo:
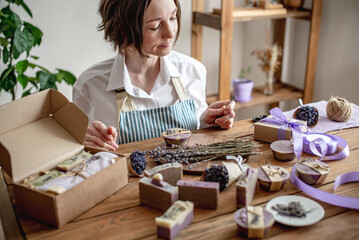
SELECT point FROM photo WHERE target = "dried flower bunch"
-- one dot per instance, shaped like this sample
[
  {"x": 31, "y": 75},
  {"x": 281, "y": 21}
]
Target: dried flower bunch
[
  {"x": 269, "y": 58},
  {"x": 199, "y": 153}
]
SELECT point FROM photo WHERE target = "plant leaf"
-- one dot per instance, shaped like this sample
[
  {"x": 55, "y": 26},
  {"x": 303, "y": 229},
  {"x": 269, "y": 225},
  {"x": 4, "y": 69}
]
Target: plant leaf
[
  {"x": 36, "y": 32},
  {"x": 21, "y": 66},
  {"x": 67, "y": 76},
  {"x": 26, "y": 93},
  {"x": 5, "y": 54},
  {"x": 26, "y": 8},
  {"x": 34, "y": 57},
  {"x": 23, "y": 80},
  {"x": 8, "y": 80},
  {"x": 3, "y": 42},
  {"x": 20, "y": 41},
  {"x": 46, "y": 80}
]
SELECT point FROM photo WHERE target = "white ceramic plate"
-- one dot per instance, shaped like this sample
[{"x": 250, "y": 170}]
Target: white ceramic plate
[{"x": 315, "y": 215}]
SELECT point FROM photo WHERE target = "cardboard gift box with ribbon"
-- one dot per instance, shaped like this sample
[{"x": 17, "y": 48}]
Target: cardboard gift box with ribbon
[{"x": 277, "y": 127}]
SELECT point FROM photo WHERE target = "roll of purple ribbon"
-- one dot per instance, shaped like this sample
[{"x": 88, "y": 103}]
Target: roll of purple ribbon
[{"x": 312, "y": 144}]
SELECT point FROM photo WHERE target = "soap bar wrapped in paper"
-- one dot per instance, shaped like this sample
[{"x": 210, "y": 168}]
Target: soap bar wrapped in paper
[
  {"x": 253, "y": 222},
  {"x": 156, "y": 193},
  {"x": 171, "y": 172},
  {"x": 74, "y": 161},
  {"x": 43, "y": 179},
  {"x": 246, "y": 188},
  {"x": 311, "y": 171},
  {"x": 202, "y": 194},
  {"x": 272, "y": 178},
  {"x": 175, "y": 219}
]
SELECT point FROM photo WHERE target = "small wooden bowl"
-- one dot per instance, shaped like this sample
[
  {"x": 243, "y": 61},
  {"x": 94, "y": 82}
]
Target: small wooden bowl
[{"x": 296, "y": 111}]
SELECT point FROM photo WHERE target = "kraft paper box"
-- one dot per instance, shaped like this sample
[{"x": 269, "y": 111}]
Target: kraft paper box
[
  {"x": 268, "y": 132},
  {"x": 38, "y": 132}
]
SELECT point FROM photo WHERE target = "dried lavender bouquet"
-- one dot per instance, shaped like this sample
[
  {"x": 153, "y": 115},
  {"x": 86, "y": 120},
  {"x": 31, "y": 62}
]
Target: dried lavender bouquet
[{"x": 199, "y": 153}]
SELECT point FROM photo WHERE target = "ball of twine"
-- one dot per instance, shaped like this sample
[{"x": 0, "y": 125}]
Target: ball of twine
[{"x": 339, "y": 109}]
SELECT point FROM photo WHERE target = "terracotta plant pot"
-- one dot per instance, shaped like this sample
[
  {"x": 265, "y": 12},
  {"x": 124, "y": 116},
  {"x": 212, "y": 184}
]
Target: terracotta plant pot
[
  {"x": 242, "y": 88},
  {"x": 293, "y": 4}
]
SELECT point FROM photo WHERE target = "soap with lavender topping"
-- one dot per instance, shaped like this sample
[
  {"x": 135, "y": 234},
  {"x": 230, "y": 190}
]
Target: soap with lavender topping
[
  {"x": 273, "y": 179},
  {"x": 202, "y": 194},
  {"x": 171, "y": 172},
  {"x": 156, "y": 193},
  {"x": 312, "y": 172},
  {"x": 246, "y": 187},
  {"x": 177, "y": 136},
  {"x": 175, "y": 219},
  {"x": 251, "y": 224}
]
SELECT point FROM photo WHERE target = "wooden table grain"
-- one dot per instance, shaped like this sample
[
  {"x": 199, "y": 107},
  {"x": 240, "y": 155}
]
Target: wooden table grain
[{"x": 121, "y": 216}]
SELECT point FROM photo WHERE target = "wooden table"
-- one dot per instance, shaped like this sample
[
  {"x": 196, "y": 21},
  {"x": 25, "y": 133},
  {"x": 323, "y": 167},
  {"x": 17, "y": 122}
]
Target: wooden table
[{"x": 122, "y": 217}]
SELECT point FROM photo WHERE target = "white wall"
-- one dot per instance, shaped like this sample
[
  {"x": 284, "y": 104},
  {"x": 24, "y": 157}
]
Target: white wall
[{"x": 72, "y": 42}]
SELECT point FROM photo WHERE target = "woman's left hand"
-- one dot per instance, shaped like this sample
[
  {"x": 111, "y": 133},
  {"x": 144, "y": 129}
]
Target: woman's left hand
[{"x": 219, "y": 114}]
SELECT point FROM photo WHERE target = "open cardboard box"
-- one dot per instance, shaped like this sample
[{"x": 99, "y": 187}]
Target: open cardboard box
[{"x": 38, "y": 132}]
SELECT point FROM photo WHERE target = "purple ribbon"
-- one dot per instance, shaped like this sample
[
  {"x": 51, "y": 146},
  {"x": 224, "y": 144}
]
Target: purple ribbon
[
  {"x": 280, "y": 119},
  {"x": 321, "y": 148},
  {"x": 336, "y": 200}
]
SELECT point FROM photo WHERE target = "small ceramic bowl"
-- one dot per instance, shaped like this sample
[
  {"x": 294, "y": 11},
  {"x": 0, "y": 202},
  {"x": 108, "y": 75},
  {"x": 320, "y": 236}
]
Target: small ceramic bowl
[{"x": 177, "y": 136}]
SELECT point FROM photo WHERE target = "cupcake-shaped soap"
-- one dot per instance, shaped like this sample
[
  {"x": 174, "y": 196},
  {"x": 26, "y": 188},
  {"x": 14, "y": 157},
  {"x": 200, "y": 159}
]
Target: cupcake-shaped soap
[
  {"x": 311, "y": 171},
  {"x": 253, "y": 222},
  {"x": 272, "y": 178},
  {"x": 283, "y": 150},
  {"x": 177, "y": 136}
]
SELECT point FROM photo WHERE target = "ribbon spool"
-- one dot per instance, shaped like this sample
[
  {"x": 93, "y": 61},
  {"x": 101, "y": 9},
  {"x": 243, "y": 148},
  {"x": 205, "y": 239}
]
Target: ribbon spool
[{"x": 312, "y": 140}]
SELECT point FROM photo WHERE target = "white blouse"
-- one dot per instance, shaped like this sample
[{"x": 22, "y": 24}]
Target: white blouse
[{"x": 94, "y": 91}]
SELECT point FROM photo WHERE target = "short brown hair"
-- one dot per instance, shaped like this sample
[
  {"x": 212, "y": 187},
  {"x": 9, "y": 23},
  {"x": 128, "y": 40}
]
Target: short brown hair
[{"x": 122, "y": 22}]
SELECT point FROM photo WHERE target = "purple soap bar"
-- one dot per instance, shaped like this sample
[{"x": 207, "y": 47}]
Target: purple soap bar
[
  {"x": 241, "y": 219},
  {"x": 171, "y": 172},
  {"x": 202, "y": 194},
  {"x": 157, "y": 193},
  {"x": 246, "y": 188},
  {"x": 312, "y": 175},
  {"x": 175, "y": 219},
  {"x": 266, "y": 183},
  {"x": 283, "y": 150},
  {"x": 177, "y": 136}
]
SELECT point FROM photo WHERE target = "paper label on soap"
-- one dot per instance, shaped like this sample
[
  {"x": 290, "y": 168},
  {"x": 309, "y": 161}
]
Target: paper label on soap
[
  {"x": 234, "y": 172},
  {"x": 322, "y": 170},
  {"x": 255, "y": 220},
  {"x": 274, "y": 176}
]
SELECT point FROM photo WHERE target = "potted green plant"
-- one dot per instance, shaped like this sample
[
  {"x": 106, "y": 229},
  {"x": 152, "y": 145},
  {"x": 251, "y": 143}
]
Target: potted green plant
[
  {"x": 17, "y": 39},
  {"x": 242, "y": 86}
]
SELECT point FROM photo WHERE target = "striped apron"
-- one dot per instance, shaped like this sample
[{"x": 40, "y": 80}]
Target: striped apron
[{"x": 136, "y": 125}]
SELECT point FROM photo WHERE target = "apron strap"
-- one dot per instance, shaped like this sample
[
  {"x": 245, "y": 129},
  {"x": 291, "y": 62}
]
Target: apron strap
[
  {"x": 124, "y": 101},
  {"x": 181, "y": 91}
]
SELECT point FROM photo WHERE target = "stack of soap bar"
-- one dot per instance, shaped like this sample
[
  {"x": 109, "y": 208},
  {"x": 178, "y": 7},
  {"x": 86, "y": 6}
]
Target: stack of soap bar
[
  {"x": 176, "y": 218},
  {"x": 202, "y": 194},
  {"x": 156, "y": 193},
  {"x": 246, "y": 187},
  {"x": 312, "y": 172},
  {"x": 253, "y": 222},
  {"x": 171, "y": 172},
  {"x": 272, "y": 178},
  {"x": 74, "y": 161}
]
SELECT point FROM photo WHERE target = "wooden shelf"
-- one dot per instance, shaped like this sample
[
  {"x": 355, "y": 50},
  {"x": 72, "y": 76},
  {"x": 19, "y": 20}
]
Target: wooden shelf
[
  {"x": 283, "y": 92},
  {"x": 223, "y": 20}
]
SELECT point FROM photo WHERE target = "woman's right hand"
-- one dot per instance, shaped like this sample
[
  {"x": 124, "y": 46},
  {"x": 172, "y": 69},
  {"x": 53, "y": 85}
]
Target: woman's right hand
[{"x": 98, "y": 135}]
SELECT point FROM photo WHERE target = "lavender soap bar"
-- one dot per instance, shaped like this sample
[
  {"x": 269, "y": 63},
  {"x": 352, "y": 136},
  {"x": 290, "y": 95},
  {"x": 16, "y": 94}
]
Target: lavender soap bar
[
  {"x": 202, "y": 194},
  {"x": 312, "y": 171},
  {"x": 246, "y": 188},
  {"x": 171, "y": 172},
  {"x": 156, "y": 193},
  {"x": 175, "y": 219},
  {"x": 272, "y": 178}
]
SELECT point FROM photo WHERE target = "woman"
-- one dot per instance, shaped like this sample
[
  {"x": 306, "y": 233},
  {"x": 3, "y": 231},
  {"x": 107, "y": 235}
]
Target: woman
[{"x": 147, "y": 88}]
